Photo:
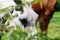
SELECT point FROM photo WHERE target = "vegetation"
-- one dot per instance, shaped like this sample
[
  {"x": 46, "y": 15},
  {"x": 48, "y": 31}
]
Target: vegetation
[{"x": 20, "y": 34}]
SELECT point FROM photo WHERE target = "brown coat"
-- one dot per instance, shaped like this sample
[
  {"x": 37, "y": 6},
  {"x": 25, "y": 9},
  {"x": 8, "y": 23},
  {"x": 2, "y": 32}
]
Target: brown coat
[{"x": 45, "y": 13}]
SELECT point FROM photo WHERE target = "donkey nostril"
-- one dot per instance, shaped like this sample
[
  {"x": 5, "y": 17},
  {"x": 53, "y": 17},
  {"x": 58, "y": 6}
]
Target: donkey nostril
[{"x": 24, "y": 22}]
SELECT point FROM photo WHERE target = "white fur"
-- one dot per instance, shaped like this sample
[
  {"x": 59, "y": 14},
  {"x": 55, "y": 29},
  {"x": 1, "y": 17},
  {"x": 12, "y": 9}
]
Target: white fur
[
  {"x": 16, "y": 13},
  {"x": 6, "y": 3},
  {"x": 2, "y": 14},
  {"x": 15, "y": 22},
  {"x": 31, "y": 17}
]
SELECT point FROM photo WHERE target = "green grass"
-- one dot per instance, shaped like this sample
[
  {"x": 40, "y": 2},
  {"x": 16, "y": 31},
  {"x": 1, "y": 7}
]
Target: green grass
[{"x": 54, "y": 26}]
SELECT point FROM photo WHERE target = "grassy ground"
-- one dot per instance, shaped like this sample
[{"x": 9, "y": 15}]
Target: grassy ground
[{"x": 54, "y": 26}]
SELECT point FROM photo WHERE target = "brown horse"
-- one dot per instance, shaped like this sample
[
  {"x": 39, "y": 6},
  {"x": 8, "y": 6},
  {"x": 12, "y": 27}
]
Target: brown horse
[{"x": 45, "y": 12}]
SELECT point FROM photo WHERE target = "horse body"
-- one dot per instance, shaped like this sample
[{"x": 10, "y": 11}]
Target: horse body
[{"x": 45, "y": 13}]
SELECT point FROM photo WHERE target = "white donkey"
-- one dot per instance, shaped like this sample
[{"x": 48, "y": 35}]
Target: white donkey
[{"x": 31, "y": 17}]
